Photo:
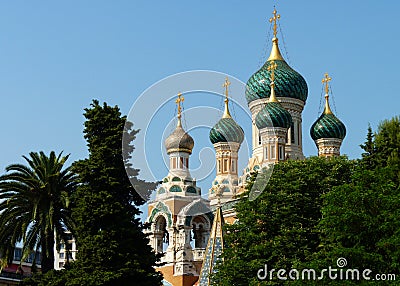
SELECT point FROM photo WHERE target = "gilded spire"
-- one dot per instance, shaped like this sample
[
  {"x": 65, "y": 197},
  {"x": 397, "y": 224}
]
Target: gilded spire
[
  {"x": 326, "y": 81},
  {"x": 178, "y": 102},
  {"x": 272, "y": 67},
  {"x": 226, "y": 111},
  {"x": 275, "y": 53},
  {"x": 214, "y": 249}
]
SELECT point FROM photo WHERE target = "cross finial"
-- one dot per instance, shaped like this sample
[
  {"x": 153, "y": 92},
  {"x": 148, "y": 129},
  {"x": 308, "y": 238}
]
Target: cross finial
[
  {"x": 326, "y": 80},
  {"x": 274, "y": 19},
  {"x": 226, "y": 84},
  {"x": 178, "y": 102}
]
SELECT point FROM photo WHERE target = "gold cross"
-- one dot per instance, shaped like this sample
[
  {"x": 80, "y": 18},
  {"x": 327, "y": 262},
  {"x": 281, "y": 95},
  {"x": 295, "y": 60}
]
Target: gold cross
[
  {"x": 226, "y": 84},
  {"x": 272, "y": 67},
  {"x": 178, "y": 102},
  {"x": 326, "y": 80},
  {"x": 275, "y": 18}
]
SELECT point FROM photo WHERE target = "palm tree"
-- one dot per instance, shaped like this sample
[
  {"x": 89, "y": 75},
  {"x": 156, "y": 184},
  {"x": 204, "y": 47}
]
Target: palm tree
[{"x": 35, "y": 207}]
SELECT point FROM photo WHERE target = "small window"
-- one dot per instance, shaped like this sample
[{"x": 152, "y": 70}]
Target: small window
[
  {"x": 61, "y": 264},
  {"x": 292, "y": 138},
  {"x": 17, "y": 254},
  {"x": 233, "y": 168},
  {"x": 187, "y": 163},
  {"x": 62, "y": 255},
  {"x": 298, "y": 133},
  {"x": 259, "y": 140},
  {"x": 266, "y": 153},
  {"x": 219, "y": 165},
  {"x": 273, "y": 155},
  {"x": 173, "y": 163},
  {"x": 181, "y": 162},
  {"x": 281, "y": 153},
  {"x": 226, "y": 165}
]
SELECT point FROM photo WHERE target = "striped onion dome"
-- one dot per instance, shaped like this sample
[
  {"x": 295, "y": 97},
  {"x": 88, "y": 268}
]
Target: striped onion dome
[
  {"x": 226, "y": 130},
  {"x": 273, "y": 115},
  {"x": 327, "y": 125},
  {"x": 289, "y": 83}
]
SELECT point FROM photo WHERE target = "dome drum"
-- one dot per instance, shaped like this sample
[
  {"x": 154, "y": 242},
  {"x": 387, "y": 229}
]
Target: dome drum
[{"x": 293, "y": 105}]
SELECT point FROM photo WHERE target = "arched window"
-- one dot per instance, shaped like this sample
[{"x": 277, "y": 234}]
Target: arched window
[
  {"x": 200, "y": 232},
  {"x": 175, "y": 189},
  {"x": 161, "y": 234},
  {"x": 191, "y": 190}
]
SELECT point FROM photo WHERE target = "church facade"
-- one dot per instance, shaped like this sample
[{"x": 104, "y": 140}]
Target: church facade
[{"x": 185, "y": 227}]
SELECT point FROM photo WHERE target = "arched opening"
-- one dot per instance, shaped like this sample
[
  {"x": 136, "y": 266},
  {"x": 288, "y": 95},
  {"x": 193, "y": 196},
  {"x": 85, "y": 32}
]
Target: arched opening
[
  {"x": 200, "y": 232},
  {"x": 161, "y": 234}
]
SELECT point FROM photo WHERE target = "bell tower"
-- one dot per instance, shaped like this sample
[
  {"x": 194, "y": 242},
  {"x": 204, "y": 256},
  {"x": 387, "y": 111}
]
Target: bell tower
[
  {"x": 180, "y": 220},
  {"x": 328, "y": 131},
  {"x": 226, "y": 137},
  {"x": 290, "y": 90}
]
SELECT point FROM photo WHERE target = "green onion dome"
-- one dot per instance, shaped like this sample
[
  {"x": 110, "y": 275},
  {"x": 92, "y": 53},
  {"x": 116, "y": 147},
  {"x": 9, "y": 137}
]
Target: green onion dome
[
  {"x": 289, "y": 83},
  {"x": 179, "y": 141},
  {"x": 273, "y": 115},
  {"x": 226, "y": 130},
  {"x": 328, "y": 125}
]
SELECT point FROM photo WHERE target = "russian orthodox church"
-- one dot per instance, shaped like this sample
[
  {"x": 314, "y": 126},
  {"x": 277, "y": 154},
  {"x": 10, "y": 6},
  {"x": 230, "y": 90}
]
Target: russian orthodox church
[{"x": 188, "y": 229}]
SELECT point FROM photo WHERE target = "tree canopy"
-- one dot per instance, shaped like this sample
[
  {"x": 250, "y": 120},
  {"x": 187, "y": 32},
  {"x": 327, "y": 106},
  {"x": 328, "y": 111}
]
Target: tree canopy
[
  {"x": 112, "y": 247},
  {"x": 278, "y": 229},
  {"x": 313, "y": 212},
  {"x": 35, "y": 205}
]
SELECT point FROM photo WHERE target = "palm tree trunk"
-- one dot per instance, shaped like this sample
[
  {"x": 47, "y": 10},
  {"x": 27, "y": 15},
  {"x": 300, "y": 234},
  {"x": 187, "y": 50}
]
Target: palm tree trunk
[{"x": 47, "y": 252}]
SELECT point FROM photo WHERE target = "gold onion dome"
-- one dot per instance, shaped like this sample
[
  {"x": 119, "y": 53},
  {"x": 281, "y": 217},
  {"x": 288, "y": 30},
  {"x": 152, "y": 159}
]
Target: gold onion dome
[
  {"x": 327, "y": 125},
  {"x": 273, "y": 114},
  {"x": 179, "y": 140},
  {"x": 226, "y": 129},
  {"x": 289, "y": 83}
]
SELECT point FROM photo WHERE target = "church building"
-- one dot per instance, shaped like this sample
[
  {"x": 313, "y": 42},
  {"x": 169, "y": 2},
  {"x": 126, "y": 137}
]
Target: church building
[{"x": 188, "y": 229}]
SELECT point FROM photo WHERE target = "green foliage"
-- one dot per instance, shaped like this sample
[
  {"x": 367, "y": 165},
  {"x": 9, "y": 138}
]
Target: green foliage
[
  {"x": 35, "y": 205},
  {"x": 361, "y": 219},
  {"x": 387, "y": 143},
  {"x": 368, "y": 157},
  {"x": 383, "y": 148},
  {"x": 279, "y": 228},
  {"x": 112, "y": 248},
  {"x": 315, "y": 211},
  {"x": 361, "y": 223}
]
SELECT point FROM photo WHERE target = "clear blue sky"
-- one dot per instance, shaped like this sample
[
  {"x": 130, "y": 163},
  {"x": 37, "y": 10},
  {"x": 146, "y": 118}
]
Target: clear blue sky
[{"x": 56, "y": 56}]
